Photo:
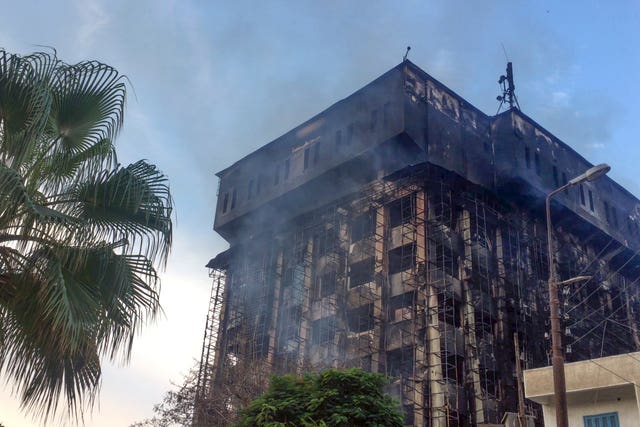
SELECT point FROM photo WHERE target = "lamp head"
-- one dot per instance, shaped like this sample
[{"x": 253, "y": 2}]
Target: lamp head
[{"x": 591, "y": 174}]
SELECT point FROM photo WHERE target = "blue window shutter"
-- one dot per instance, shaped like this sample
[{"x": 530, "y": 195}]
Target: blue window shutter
[{"x": 609, "y": 419}]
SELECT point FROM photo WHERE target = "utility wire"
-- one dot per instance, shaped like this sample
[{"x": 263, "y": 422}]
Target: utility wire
[{"x": 608, "y": 277}]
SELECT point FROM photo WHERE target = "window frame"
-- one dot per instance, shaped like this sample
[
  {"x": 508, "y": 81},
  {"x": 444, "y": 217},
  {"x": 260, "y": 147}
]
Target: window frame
[{"x": 603, "y": 420}]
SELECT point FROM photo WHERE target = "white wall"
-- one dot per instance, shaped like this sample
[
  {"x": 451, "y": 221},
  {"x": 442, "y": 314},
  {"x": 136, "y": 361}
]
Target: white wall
[{"x": 626, "y": 408}]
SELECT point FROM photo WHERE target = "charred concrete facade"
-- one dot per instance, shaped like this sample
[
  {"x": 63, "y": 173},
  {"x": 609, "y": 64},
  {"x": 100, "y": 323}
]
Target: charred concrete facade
[{"x": 402, "y": 231}]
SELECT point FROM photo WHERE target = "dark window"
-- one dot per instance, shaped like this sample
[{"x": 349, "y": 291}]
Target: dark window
[
  {"x": 452, "y": 368},
  {"x": 323, "y": 242},
  {"x": 582, "y": 201},
  {"x": 409, "y": 417},
  {"x": 402, "y": 258},
  {"x": 538, "y": 166},
  {"x": 316, "y": 153},
  {"x": 374, "y": 120},
  {"x": 386, "y": 114},
  {"x": 338, "y": 138},
  {"x": 363, "y": 226},
  {"x": 606, "y": 211},
  {"x": 360, "y": 319},
  {"x": 323, "y": 330},
  {"x": 527, "y": 157},
  {"x": 276, "y": 175},
  {"x": 401, "y": 211},
  {"x": 287, "y": 165},
  {"x": 401, "y": 307},
  {"x": 325, "y": 284},
  {"x": 555, "y": 176},
  {"x": 361, "y": 272},
  {"x": 251, "y": 187},
  {"x": 614, "y": 216},
  {"x": 306, "y": 158},
  {"x": 225, "y": 202},
  {"x": 350, "y": 133},
  {"x": 233, "y": 198},
  {"x": 590, "y": 200},
  {"x": 400, "y": 362}
]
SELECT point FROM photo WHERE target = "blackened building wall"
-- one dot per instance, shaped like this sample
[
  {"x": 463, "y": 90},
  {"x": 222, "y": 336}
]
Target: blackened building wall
[{"x": 402, "y": 231}]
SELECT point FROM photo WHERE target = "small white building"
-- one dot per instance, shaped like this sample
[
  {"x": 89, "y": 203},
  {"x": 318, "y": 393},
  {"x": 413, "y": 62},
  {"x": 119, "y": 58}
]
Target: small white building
[{"x": 600, "y": 392}]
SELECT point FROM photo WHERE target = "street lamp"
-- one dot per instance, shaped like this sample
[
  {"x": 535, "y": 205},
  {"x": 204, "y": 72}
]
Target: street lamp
[{"x": 559, "y": 386}]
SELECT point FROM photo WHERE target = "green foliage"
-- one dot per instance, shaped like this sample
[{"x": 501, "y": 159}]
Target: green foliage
[
  {"x": 79, "y": 233},
  {"x": 334, "y": 398}
]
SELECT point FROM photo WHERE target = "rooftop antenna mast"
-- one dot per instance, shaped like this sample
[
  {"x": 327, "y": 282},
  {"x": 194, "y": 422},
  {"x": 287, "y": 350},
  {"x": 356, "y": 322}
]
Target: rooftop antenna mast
[
  {"x": 508, "y": 90},
  {"x": 404, "y": 58}
]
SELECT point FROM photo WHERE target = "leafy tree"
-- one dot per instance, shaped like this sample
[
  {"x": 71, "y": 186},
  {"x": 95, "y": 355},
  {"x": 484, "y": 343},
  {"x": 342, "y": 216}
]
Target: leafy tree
[
  {"x": 330, "y": 399},
  {"x": 80, "y": 235}
]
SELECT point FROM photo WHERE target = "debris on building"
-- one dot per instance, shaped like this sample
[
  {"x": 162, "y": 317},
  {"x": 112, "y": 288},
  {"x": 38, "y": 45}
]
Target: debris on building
[{"x": 402, "y": 231}]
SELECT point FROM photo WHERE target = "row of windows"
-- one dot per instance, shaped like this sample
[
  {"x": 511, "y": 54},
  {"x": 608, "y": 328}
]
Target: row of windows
[
  {"x": 611, "y": 215},
  {"x": 311, "y": 157}
]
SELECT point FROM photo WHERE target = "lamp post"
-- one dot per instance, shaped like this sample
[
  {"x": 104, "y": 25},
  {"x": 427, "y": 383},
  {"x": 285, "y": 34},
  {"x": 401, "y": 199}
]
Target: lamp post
[{"x": 559, "y": 386}]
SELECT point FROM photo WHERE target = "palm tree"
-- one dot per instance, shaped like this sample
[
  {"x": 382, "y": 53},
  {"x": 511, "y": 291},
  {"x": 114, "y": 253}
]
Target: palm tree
[{"x": 80, "y": 235}]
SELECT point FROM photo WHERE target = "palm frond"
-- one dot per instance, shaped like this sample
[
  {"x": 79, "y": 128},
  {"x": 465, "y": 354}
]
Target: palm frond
[
  {"x": 25, "y": 104},
  {"x": 88, "y": 105},
  {"x": 133, "y": 203},
  {"x": 79, "y": 234}
]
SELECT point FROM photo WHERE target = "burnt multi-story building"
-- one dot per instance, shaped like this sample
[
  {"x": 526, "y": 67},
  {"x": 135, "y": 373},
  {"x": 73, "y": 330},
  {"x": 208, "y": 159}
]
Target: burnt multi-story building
[{"x": 402, "y": 230}]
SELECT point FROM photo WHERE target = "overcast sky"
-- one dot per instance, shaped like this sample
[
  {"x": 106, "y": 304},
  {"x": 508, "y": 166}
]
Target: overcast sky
[{"x": 213, "y": 81}]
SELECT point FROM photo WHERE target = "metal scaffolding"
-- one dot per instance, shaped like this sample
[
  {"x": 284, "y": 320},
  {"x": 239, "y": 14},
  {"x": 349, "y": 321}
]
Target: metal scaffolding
[{"x": 424, "y": 278}]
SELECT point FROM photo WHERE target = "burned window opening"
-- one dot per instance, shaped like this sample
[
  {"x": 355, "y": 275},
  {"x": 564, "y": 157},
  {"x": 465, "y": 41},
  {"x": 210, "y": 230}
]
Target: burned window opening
[
  {"x": 323, "y": 243},
  {"x": 361, "y": 272},
  {"x": 233, "y": 198},
  {"x": 556, "y": 182},
  {"x": 606, "y": 212},
  {"x": 402, "y": 258},
  {"x": 582, "y": 201},
  {"x": 374, "y": 120},
  {"x": 363, "y": 226},
  {"x": 590, "y": 200},
  {"x": 251, "y": 189},
  {"x": 316, "y": 153},
  {"x": 323, "y": 330},
  {"x": 325, "y": 285},
  {"x": 276, "y": 175},
  {"x": 527, "y": 157},
  {"x": 360, "y": 319},
  {"x": 409, "y": 416},
  {"x": 306, "y": 158},
  {"x": 402, "y": 211},
  {"x": 400, "y": 362},
  {"x": 538, "y": 165},
  {"x": 287, "y": 167},
  {"x": 401, "y": 307},
  {"x": 452, "y": 367},
  {"x": 386, "y": 114},
  {"x": 225, "y": 202}
]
